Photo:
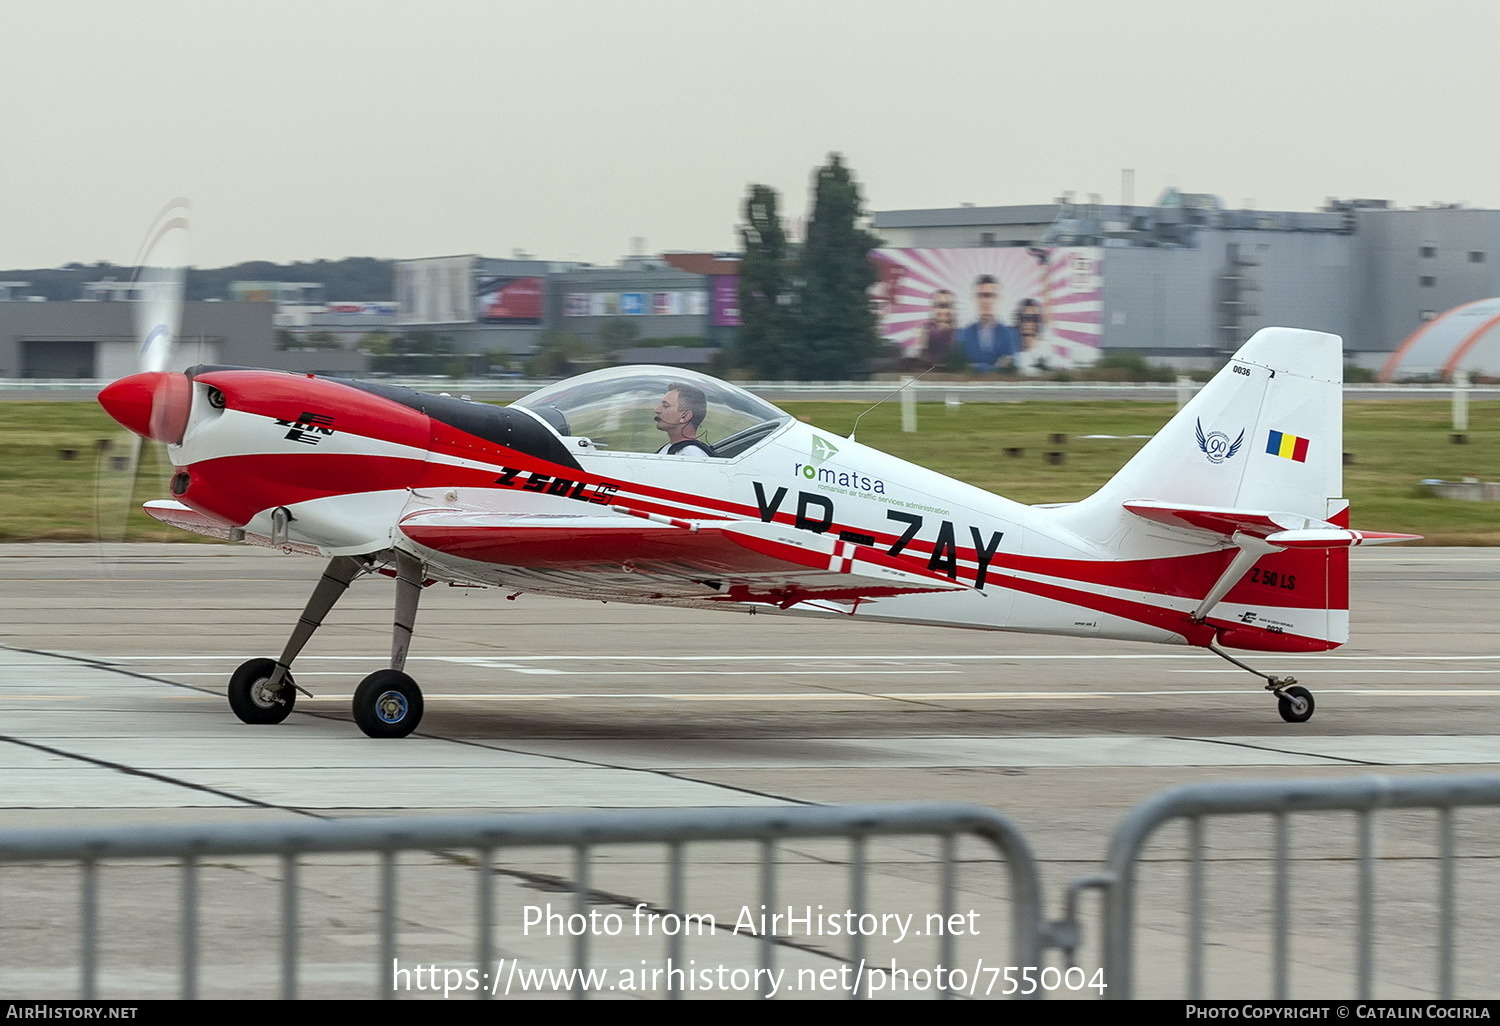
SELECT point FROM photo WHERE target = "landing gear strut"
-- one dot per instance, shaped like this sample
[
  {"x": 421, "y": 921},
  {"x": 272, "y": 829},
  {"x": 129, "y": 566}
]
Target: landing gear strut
[
  {"x": 262, "y": 691},
  {"x": 387, "y": 703},
  {"x": 1293, "y": 702}
]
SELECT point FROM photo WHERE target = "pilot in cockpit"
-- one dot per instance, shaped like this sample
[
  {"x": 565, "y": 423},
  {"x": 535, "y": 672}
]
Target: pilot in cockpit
[{"x": 680, "y": 414}]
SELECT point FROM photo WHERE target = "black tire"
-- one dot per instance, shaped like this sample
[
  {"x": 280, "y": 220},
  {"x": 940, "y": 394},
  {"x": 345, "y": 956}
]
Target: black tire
[
  {"x": 249, "y": 698},
  {"x": 388, "y": 703},
  {"x": 1295, "y": 704}
]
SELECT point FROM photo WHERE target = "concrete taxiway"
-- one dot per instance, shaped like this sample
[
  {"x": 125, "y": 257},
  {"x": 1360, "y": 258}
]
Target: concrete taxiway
[{"x": 113, "y": 666}]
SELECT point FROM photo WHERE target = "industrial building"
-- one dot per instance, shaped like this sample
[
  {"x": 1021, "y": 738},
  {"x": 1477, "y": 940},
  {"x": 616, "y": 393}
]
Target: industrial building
[
  {"x": 98, "y": 340},
  {"x": 1185, "y": 280},
  {"x": 1182, "y": 281}
]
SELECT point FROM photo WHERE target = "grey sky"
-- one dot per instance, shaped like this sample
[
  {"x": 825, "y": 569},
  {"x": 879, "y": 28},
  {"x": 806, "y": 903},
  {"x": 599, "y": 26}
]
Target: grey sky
[{"x": 303, "y": 129}]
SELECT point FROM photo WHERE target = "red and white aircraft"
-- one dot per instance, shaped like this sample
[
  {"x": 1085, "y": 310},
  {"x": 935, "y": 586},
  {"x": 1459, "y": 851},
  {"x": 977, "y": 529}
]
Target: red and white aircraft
[{"x": 1226, "y": 529}]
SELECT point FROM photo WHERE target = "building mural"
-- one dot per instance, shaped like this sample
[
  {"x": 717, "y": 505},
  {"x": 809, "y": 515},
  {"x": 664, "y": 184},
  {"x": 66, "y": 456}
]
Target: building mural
[{"x": 1008, "y": 308}]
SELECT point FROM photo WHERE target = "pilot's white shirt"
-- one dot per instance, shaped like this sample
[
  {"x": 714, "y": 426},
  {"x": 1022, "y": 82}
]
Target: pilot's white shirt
[{"x": 695, "y": 450}]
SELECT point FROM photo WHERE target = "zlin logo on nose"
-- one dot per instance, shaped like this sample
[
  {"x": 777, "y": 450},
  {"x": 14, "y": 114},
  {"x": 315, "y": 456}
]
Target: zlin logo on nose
[{"x": 309, "y": 428}]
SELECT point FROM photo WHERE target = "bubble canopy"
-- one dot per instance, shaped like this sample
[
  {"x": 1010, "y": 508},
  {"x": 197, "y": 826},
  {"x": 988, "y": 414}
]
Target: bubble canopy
[{"x": 616, "y": 409}]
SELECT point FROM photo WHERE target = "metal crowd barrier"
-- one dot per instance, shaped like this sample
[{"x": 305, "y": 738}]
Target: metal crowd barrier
[
  {"x": 679, "y": 830},
  {"x": 1364, "y": 797},
  {"x": 583, "y": 833}
]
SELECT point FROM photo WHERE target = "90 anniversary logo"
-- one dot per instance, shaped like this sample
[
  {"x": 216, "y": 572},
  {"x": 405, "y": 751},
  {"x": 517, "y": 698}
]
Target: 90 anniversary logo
[{"x": 1216, "y": 444}]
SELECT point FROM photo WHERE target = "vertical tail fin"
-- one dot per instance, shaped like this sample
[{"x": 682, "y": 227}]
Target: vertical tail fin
[
  {"x": 1266, "y": 434},
  {"x": 1258, "y": 450}
]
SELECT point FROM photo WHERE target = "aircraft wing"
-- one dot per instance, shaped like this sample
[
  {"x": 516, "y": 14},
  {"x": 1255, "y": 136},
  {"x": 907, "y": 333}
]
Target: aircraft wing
[{"x": 654, "y": 558}]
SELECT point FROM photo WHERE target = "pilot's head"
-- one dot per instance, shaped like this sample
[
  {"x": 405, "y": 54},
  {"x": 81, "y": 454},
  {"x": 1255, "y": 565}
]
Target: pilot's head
[{"x": 682, "y": 407}]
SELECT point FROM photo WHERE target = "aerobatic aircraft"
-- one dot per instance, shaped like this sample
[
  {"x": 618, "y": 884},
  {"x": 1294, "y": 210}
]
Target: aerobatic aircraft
[{"x": 663, "y": 486}]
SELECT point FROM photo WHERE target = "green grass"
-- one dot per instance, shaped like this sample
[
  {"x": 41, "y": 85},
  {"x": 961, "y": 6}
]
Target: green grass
[
  {"x": 1394, "y": 443},
  {"x": 49, "y": 498}
]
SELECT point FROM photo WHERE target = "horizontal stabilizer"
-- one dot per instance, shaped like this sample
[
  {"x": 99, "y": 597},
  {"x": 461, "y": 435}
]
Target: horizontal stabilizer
[
  {"x": 1281, "y": 529},
  {"x": 1334, "y": 538}
]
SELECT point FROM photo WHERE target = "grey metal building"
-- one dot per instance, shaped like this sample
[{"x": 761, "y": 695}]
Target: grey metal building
[
  {"x": 672, "y": 303},
  {"x": 1186, "y": 280},
  {"x": 446, "y": 295},
  {"x": 1415, "y": 264},
  {"x": 97, "y": 340}
]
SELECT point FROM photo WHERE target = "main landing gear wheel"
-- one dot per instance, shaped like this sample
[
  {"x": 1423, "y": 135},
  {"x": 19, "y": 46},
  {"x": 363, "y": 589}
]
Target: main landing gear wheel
[
  {"x": 1295, "y": 704},
  {"x": 250, "y": 698},
  {"x": 388, "y": 703}
]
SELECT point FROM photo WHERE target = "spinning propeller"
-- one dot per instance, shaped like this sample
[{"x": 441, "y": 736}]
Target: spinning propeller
[{"x": 154, "y": 402}]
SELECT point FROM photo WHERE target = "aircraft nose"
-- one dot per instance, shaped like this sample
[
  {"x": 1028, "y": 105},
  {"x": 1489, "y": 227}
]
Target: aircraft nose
[{"x": 154, "y": 404}]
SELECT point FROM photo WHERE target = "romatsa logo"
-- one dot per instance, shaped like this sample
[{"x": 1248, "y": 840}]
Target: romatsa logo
[{"x": 823, "y": 450}]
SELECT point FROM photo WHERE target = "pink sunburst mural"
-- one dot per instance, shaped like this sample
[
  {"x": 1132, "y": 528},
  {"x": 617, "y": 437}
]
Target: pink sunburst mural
[{"x": 1047, "y": 300}]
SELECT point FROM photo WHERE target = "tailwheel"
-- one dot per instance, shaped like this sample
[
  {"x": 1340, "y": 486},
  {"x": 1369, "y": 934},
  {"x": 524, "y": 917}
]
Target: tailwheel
[
  {"x": 254, "y": 700},
  {"x": 1295, "y": 704},
  {"x": 388, "y": 703}
]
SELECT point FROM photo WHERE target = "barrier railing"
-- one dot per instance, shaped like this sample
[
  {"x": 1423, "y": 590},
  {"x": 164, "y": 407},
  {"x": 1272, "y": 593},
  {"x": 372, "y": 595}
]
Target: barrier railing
[
  {"x": 1364, "y": 797},
  {"x": 582, "y": 833}
]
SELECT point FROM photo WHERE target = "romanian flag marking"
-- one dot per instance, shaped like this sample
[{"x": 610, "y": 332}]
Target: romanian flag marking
[{"x": 1287, "y": 446}]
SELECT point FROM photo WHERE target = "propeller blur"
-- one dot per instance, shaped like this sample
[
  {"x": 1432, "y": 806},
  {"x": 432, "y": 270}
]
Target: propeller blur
[{"x": 155, "y": 406}]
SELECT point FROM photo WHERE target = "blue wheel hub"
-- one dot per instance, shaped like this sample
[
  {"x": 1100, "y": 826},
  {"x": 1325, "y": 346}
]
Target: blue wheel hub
[{"x": 391, "y": 707}]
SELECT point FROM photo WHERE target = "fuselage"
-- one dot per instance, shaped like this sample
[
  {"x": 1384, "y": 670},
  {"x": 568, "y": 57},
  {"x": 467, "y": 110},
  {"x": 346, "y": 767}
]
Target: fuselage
[{"x": 347, "y": 461}]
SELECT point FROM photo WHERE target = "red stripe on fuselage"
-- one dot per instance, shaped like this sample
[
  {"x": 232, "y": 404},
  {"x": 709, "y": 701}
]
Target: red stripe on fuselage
[
  {"x": 1302, "y": 580},
  {"x": 1185, "y": 576},
  {"x": 238, "y": 487}
]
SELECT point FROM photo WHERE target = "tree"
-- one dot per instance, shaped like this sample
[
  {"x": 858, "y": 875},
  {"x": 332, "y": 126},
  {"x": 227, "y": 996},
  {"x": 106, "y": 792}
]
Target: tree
[
  {"x": 617, "y": 334},
  {"x": 836, "y": 329},
  {"x": 309, "y": 340},
  {"x": 558, "y": 354},
  {"x": 765, "y": 287},
  {"x": 320, "y": 340},
  {"x": 412, "y": 352}
]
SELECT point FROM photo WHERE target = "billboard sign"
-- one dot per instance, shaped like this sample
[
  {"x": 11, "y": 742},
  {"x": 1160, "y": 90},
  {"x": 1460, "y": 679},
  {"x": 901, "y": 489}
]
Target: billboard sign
[
  {"x": 636, "y": 304},
  {"x": 362, "y": 309},
  {"x": 509, "y": 301},
  {"x": 725, "y": 305},
  {"x": 1031, "y": 310}
]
